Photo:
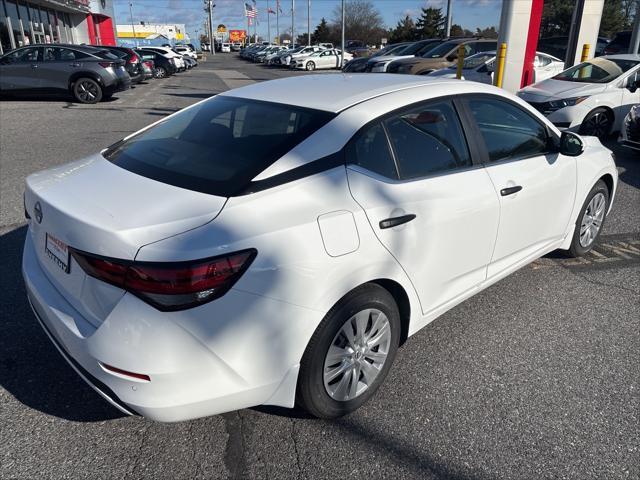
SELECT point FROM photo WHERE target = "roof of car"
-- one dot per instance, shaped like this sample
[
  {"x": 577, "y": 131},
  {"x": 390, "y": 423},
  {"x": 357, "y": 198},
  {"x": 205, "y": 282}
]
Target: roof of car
[
  {"x": 330, "y": 92},
  {"x": 624, "y": 56},
  {"x": 91, "y": 48}
]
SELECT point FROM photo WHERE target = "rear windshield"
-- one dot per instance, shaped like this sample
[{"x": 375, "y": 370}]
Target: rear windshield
[{"x": 217, "y": 146}]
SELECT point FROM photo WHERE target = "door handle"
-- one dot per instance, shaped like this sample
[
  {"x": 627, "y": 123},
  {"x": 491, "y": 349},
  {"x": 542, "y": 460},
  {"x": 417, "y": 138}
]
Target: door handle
[
  {"x": 510, "y": 190},
  {"x": 395, "y": 221},
  {"x": 75, "y": 64},
  {"x": 34, "y": 65}
]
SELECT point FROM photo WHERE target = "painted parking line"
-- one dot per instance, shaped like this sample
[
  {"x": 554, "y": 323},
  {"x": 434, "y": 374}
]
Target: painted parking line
[
  {"x": 611, "y": 251},
  {"x": 233, "y": 78}
]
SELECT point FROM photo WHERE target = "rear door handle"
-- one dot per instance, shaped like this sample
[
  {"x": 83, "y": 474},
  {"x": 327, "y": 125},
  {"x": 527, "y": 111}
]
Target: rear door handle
[
  {"x": 76, "y": 64},
  {"x": 510, "y": 190},
  {"x": 395, "y": 221},
  {"x": 34, "y": 65}
]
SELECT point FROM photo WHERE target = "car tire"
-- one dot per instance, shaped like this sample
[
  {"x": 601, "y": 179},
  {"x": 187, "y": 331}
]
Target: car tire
[
  {"x": 87, "y": 90},
  {"x": 590, "y": 220},
  {"x": 160, "y": 72},
  {"x": 597, "y": 123},
  {"x": 310, "y": 67},
  {"x": 326, "y": 387}
]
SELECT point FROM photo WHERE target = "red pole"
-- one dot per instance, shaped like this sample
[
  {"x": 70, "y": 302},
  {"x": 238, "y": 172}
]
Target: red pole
[{"x": 532, "y": 42}]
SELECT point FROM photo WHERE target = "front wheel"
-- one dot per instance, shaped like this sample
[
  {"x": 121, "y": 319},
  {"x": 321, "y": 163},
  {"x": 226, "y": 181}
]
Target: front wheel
[
  {"x": 310, "y": 66},
  {"x": 597, "y": 123},
  {"x": 87, "y": 90},
  {"x": 350, "y": 353},
  {"x": 590, "y": 220}
]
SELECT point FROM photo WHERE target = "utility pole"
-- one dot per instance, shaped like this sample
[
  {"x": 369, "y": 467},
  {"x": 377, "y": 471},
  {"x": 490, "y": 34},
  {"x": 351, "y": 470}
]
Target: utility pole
[
  {"x": 342, "y": 38},
  {"x": 635, "y": 35},
  {"x": 448, "y": 30},
  {"x": 309, "y": 22},
  {"x": 212, "y": 43},
  {"x": 293, "y": 19},
  {"x": 133, "y": 27}
]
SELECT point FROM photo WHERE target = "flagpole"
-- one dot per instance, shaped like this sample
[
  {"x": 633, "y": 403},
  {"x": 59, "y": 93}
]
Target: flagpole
[
  {"x": 293, "y": 17},
  {"x": 278, "y": 21},
  {"x": 268, "y": 22},
  {"x": 309, "y": 22}
]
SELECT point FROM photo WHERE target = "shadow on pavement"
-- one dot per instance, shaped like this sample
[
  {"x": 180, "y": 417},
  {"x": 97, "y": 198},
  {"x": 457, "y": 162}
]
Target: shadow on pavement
[{"x": 31, "y": 369}]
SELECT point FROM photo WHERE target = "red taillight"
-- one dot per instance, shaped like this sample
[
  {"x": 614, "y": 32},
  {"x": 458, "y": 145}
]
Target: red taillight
[
  {"x": 149, "y": 64},
  {"x": 134, "y": 59},
  {"x": 119, "y": 371},
  {"x": 170, "y": 286},
  {"x": 106, "y": 64}
]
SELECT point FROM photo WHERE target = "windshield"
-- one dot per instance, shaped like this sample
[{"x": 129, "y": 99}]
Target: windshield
[
  {"x": 474, "y": 61},
  {"x": 217, "y": 146},
  {"x": 597, "y": 70},
  {"x": 416, "y": 48},
  {"x": 440, "y": 51}
]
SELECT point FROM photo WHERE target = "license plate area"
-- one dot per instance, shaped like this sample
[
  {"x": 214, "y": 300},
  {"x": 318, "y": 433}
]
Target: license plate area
[{"x": 58, "y": 252}]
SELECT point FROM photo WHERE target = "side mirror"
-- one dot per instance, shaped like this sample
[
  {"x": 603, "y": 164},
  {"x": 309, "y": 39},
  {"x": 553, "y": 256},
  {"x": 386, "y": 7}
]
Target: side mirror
[
  {"x": 571, "y": 144},
  {"x": 632, "y": 86}
]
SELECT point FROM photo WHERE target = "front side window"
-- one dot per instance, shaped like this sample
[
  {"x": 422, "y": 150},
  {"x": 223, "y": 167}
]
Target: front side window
[
  {"x": 428, "y": 140},
  {"x": 507, "y": 130},
  {"x": 24, "y": 55},
  {"x": 217, "y": 146},
  {"x": 53, "y": 54}
]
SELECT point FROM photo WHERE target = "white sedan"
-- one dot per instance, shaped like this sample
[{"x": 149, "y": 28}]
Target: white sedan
[
  {"x": 325, "y": 59},
  {"x": 279, "y": 242},
  {"x": 592, "y": 98},
  {"x": 481, "y": 66}
]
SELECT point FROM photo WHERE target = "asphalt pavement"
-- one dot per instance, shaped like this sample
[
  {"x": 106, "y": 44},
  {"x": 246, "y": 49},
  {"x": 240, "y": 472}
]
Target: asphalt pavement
[{"x": 536, "y": 377}]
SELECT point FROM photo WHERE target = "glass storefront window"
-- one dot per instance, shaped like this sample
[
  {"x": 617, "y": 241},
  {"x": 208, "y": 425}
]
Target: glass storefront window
[
  {"x": 23, "y": 11},
  {"x": 12, "y": 13}
]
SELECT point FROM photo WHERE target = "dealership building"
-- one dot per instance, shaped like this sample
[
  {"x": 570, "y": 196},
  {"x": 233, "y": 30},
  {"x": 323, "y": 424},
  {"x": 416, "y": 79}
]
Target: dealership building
[{"x": 55, "y": 21}]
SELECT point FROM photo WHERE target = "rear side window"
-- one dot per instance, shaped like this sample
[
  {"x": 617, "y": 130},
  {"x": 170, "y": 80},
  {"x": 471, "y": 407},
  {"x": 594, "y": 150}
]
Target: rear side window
[
  {"x": 217, "y": 146},
  {"x": 508, "y": 131},
  {"x": 371, "y": 151},
  {"x": 428, "y": 140}
]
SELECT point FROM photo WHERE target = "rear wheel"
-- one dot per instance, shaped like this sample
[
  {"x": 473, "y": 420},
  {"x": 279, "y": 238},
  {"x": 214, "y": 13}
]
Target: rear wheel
[
  {"x": 590, "y": 220},
  {"x": 350, "y": 353},
  {"x": 87, "y": 90},
  {"x": 597, "y": 123},
  {"x": 310, "y": 66},
  {"x": 160, "y": 72}
]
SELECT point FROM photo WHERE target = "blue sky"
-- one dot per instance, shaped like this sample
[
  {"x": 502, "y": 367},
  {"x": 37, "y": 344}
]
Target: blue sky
[{"x": 468, "y": 13}]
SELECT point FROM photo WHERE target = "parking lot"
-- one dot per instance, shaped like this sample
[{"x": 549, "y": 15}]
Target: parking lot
[{"x": 536, "y": 377}]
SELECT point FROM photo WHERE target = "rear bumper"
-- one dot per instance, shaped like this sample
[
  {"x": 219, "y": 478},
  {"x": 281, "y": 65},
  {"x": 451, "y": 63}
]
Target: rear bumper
[{"x": 196, "y": 368}]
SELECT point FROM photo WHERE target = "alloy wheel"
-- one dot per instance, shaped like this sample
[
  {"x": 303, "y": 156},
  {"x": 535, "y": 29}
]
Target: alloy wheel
[
  {"x": 87, "y": 91},
  {"x": 592, "y": 220},
  {"x": 357, "y": 354},
  {"x": 597, "y": 125}
]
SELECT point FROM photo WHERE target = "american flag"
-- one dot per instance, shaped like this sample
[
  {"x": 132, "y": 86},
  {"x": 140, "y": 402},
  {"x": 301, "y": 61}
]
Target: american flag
[{"x": 250, "y": 11}]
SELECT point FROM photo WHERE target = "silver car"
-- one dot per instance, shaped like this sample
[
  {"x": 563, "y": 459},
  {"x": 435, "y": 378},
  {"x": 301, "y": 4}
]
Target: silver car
[{"x": 89, "y": 74}]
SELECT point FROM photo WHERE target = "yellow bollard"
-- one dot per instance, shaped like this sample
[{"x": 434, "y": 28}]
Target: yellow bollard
[
  {"x": 460, "y": 61},
  {"x": 585, "y": 52},
  {"x": 502, "y": 55}
]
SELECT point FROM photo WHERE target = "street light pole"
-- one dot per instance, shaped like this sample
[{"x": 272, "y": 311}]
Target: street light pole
[
  {"x": 448, "y": 30},
  {"x": 293, "y": 19},
  {"x": 342, "y": 38},
  {"x": 133, "y": 27},
  {"x": 268, "y": 23},
  {"x": 309, "y": 22}
]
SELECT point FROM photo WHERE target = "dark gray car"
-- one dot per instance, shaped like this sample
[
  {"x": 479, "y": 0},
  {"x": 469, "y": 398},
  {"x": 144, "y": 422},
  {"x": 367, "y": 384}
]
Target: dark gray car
[{"x": 89, "y": 74}]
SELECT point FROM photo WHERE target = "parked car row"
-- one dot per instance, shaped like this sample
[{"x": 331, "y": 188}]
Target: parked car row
[
  {"x": 592, "y": 98},
  {"x": 311, "y": 57},
  {"x": 89, "y": 73}
]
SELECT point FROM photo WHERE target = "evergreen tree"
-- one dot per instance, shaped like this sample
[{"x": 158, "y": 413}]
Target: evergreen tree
[
  {"x": 405, "y": 31},
  {"x": 322, "y": 33},
  {"x": 431, "y": 23}
]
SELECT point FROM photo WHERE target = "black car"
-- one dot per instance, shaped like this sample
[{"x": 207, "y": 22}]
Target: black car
[
  {"x": 630, "y": 132},
  {"x": 133, "y": 65},
  {"x": 163, "y": 66},
  {"x": 619, "y": 44},
  {"x": 90, "y": 74}
]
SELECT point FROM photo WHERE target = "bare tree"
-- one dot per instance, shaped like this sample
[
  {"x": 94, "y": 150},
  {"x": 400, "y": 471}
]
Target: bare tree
[{"x": 363, "y": 21}]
